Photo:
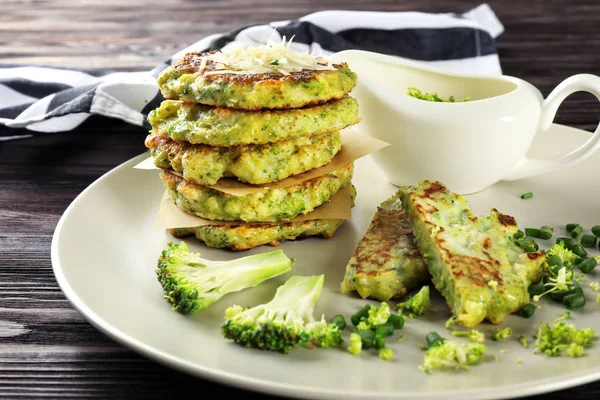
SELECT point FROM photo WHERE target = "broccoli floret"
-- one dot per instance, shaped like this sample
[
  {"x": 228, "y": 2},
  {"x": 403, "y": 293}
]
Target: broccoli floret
[
  {"x": 568, "y": 258},
  {"x": 379, "y": 315},
  {"x": 562, "y": 339},
  {"x": 385, "y": 353},
  {"x": 355, "y": 344},
  {"x": 502, "y": 334},
  {"x": 191, "y": 283},
  {"x": 287, "y": 321},
  {"x": 417, "y": 304},
  {"x": 454, "y": 355},
  {"x": 595, "y": 286},
  {"x": 363, "y": 326},
  {"x": 473, "y": 335}
]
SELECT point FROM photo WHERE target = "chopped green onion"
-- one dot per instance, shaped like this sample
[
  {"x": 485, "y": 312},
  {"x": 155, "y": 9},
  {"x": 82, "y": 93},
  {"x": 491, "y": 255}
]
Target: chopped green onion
[
  {"x": 576, "y": 232},
  {"x": 573, "y": 288},
  {"x": 527, "y": 310},
  {"x": 573, "y": 301},
  {"x": 379, "y": 342},
  {"x": 527, "y": 245},
  {"x": 433, "y": 339},
  {"x": 579, "y": 250},
  {"x": 596, "y": 230},
  {"x": 340, "y": 321},
  {"x": 519, "y": 234},
  {"x": 546, "y": 232},
  {"x": 555, "y": 261},
  {"x": 570, "y": 227},
  {"x": 588, "y": 240},
  {"x": 396, "y": 320},
  {"x": 362, "y": 313},
  {"x": 386, "y": 329},
  {"x": 587, "y": 265},
  {"x": 536, "y": 290},
  {"x": 527, "y": 195},
  {"x": 368, "y": 338},
  {"x": 533, "y": 232},
  {"x": 274, "y": 62},
  {"x": 567, "y": 242}
]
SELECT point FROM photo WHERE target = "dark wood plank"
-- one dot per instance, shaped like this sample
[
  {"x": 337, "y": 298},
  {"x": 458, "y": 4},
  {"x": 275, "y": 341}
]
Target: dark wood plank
[{"x": 46, "y": 348}]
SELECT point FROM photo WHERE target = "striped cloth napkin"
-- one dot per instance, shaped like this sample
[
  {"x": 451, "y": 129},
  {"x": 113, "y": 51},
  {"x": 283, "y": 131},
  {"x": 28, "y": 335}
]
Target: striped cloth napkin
[{"x": 45, "y": 100}]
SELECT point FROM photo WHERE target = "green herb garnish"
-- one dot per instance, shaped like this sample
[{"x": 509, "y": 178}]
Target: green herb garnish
[{"x": 417, "y": 94}]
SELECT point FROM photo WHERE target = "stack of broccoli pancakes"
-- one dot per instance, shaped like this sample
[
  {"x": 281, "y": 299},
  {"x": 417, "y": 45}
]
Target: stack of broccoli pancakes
[{"x": 256, "y": 115}]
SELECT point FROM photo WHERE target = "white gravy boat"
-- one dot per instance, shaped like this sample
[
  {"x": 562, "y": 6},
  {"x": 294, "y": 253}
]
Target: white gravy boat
[{"x": 470, "y": 145}]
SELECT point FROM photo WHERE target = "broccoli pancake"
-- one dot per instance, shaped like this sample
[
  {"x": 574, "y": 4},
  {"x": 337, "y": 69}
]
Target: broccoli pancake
[
  {"x": 386, "y": 263},
  {"x": 254, "y": 164},
  {"x": 247, "y": 236},
  {"x": 270, "y": 205},
  {"x": 474, "y": 261},
  {"x": 196, "y": 78},
  {"x": 239, "y": 237},
  {"x": 200, "y": 124}
]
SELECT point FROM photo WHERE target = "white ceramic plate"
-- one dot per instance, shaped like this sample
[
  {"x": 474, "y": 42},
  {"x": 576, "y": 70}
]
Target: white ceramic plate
[{"x": 104, "y": 255}]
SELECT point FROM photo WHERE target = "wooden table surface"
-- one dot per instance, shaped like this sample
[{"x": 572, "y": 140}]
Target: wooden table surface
[{"x": 47, "y": 349}]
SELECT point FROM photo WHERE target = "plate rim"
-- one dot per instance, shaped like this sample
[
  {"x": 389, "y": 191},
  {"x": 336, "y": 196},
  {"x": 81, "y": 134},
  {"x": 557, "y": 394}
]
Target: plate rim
[{"x": 259, "y": 385}]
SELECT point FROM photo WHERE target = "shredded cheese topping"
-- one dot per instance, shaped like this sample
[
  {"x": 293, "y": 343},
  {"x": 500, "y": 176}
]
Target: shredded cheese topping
[{"x": 271, "y": 57}]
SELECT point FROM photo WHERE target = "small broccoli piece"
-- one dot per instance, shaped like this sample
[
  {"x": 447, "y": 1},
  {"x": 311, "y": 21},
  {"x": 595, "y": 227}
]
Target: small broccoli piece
[
  {"x": 379, "y": 315},
  {"x": 286, "y": 321},
  {"x": 595, "y": 286},
  {"x": 355, "y": 344},
  {"x": 454, "y": 355},
  {"x": 562, "y": 339},
  {"x": 416, "y": 93},
  {"x": 523, "y": 341},
  {"x": 417, "y": 304},
  {"x": 568, "y": 258},
  {"x": 502, "y": 334},
  {"x": 370, "y": 317},
  {"x": 363, "y": 326},
  {"x": 473, "y": 335},
  {"x": 385, "y": 353},
  {"x": 563, "y": 317},
  {"x": 598, "y": 298},
  {"x": 191, "y": 283},
  {"x": 450, "y": 323}
]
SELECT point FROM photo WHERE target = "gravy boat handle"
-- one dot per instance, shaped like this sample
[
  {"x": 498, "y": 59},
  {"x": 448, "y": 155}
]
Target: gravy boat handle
[{"x": 531, "y": 167}]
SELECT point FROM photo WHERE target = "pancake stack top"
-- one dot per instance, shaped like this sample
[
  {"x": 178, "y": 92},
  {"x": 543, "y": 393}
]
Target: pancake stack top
[{"x": 258, "y": 116}]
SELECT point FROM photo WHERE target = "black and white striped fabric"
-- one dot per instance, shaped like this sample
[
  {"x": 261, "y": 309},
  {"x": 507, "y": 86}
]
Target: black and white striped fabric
[{"x": 46, "y": 100}]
